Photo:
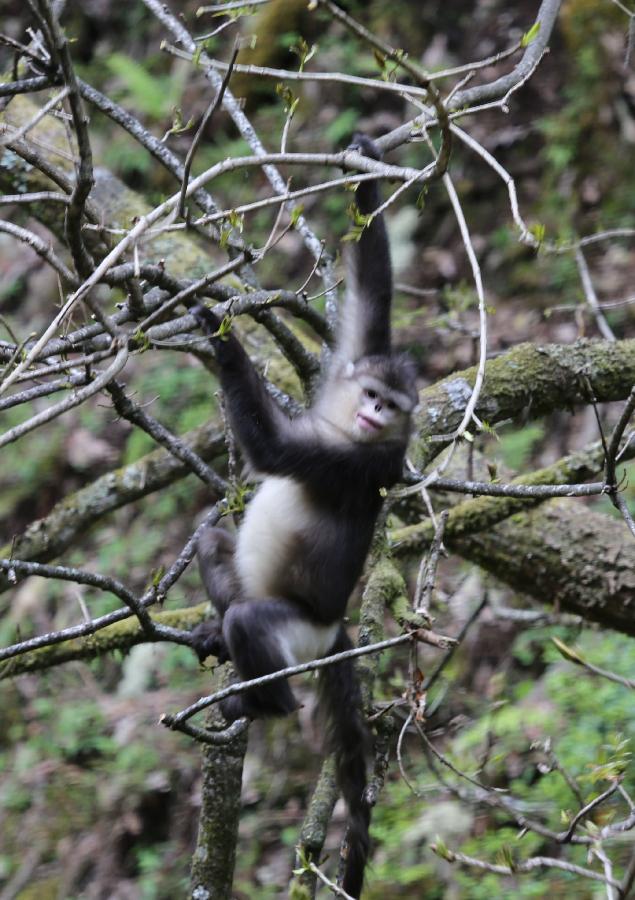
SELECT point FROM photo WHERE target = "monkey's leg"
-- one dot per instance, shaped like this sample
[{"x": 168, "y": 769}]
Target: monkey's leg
[
  {"x": 256, "y": 632},
  {"x": 208, "y": 640},
  {"x": 215, "y": 550}
]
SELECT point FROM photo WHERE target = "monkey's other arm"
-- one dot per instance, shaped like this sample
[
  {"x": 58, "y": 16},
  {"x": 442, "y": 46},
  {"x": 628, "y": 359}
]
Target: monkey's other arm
[{"x": 259, "y": 424}]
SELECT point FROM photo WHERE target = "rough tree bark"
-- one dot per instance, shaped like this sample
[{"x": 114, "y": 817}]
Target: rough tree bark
[
  {"x": 214, "y": 858},
  {"x": 563, "y": 554}
]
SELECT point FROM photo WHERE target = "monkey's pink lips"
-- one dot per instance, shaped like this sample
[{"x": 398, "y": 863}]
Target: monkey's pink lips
[{"x": 367, "y": 423}]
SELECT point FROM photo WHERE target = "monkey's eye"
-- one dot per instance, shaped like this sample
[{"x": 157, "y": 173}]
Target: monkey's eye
[
  {"x": 391, "y": 405},
  {"x": 372, "y": 395}
]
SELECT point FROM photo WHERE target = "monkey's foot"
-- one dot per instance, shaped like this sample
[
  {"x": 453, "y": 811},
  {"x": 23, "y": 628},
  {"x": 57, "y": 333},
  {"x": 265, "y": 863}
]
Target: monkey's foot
[
  {"x": 235, "y": 708},
  {"x": 208, "y": 640},
  {"x": 260, "y": 703}
]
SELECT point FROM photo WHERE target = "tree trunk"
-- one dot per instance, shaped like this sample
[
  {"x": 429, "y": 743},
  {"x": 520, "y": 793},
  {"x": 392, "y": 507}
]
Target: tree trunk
[{"x": 214, "y": 858}]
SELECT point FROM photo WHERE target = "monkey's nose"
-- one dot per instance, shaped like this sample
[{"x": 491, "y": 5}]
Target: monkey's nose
[{"x": 378, "y": 407}]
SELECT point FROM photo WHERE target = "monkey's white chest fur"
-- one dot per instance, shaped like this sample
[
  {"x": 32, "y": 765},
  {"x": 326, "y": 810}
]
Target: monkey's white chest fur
[{"x": 277, "y": 520}]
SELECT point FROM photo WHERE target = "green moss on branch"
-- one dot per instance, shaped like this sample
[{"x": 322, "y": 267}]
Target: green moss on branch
[
  {"x": 119, "y": 636},
  {"x": 528, "y": 379}
]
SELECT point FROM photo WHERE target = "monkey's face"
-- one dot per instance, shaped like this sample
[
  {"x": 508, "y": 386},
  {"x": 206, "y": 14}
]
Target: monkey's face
[{"x": 380, "y": 415}]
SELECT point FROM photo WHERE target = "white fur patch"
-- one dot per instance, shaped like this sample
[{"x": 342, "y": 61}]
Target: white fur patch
[
  {"x": 267, "y": 539},
  {"x": 301, "y": 641}
]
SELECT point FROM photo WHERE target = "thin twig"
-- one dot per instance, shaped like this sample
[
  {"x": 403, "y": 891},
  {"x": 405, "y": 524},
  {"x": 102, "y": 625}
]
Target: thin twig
[
  {"x": 216, "y": 102},
  {"x": 575, "y": 821},
  {"x": 41, "y": 248},
  {"x": 79, "y": 576},
  {"x": 40, "y": 114},
  {"x": 446, "y": 762},
  {"x": 338, "y": 891},
  {"x": 74, "y": 400},
  {"x": 428, "y": 569},
  {"x": 591, "y": 297},
  {"x": 133, "y": 413},
  {"x": 526, "y": 236},
  {"x": 468, "y": 415},
  {"x": 226, "y": 7},
  {"x": 84, "y": 178},
  {"x": 577, "y": 659},
  {"x": 419, "y": 634},
  {"x": 471, "y": 619},
  {"x": 529, "y": 865},
  {"x": 394, "y": 87}
]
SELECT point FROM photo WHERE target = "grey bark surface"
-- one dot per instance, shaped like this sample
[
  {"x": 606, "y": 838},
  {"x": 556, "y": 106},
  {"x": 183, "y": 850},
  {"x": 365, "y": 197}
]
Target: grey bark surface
[
  {"x": 565, "y": 555},
  {"x": 214, "y": 859}
]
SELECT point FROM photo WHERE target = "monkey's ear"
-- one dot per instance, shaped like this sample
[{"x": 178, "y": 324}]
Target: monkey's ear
[{"x": 349, "y": 369}]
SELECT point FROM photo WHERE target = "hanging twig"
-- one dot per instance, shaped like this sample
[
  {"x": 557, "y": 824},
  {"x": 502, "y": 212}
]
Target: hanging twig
[{"x": 211, "y": 109}]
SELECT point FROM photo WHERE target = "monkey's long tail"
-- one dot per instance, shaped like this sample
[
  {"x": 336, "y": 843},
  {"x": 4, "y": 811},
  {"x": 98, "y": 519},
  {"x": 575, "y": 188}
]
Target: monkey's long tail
[{"x": 341, "y": 700}]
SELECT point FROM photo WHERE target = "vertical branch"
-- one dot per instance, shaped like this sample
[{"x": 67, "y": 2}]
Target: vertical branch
[
  {"x": 384, "y": 586},
  {"x": 469, "y": 413},
  {"x": 214, "y": 858},
  {"x": 313, "y": 832},
  {"x": 218, "y": 99},
  {"x": 84, "y": 168},
  {"x": 591, "y": 297}
]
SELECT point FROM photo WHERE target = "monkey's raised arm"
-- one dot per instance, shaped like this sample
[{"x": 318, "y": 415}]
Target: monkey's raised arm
[
  {"x": 365, "y": 319},
  {"x": 257, "y": 421}
]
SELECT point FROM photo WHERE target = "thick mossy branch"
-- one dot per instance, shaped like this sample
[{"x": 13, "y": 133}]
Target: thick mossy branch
[
  {"x": 528, "y": 379},
  {"x": 482, "y": 513},
  {"x": 565, "y": 555},
  {"x": 120, "y": 636},
  {"x": 559, "y": 551},
  {"x": 384, "y": 590}
]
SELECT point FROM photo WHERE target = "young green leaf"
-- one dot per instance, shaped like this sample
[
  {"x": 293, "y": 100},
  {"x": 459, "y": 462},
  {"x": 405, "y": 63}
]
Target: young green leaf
[{"x": 530, "y": 36}]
